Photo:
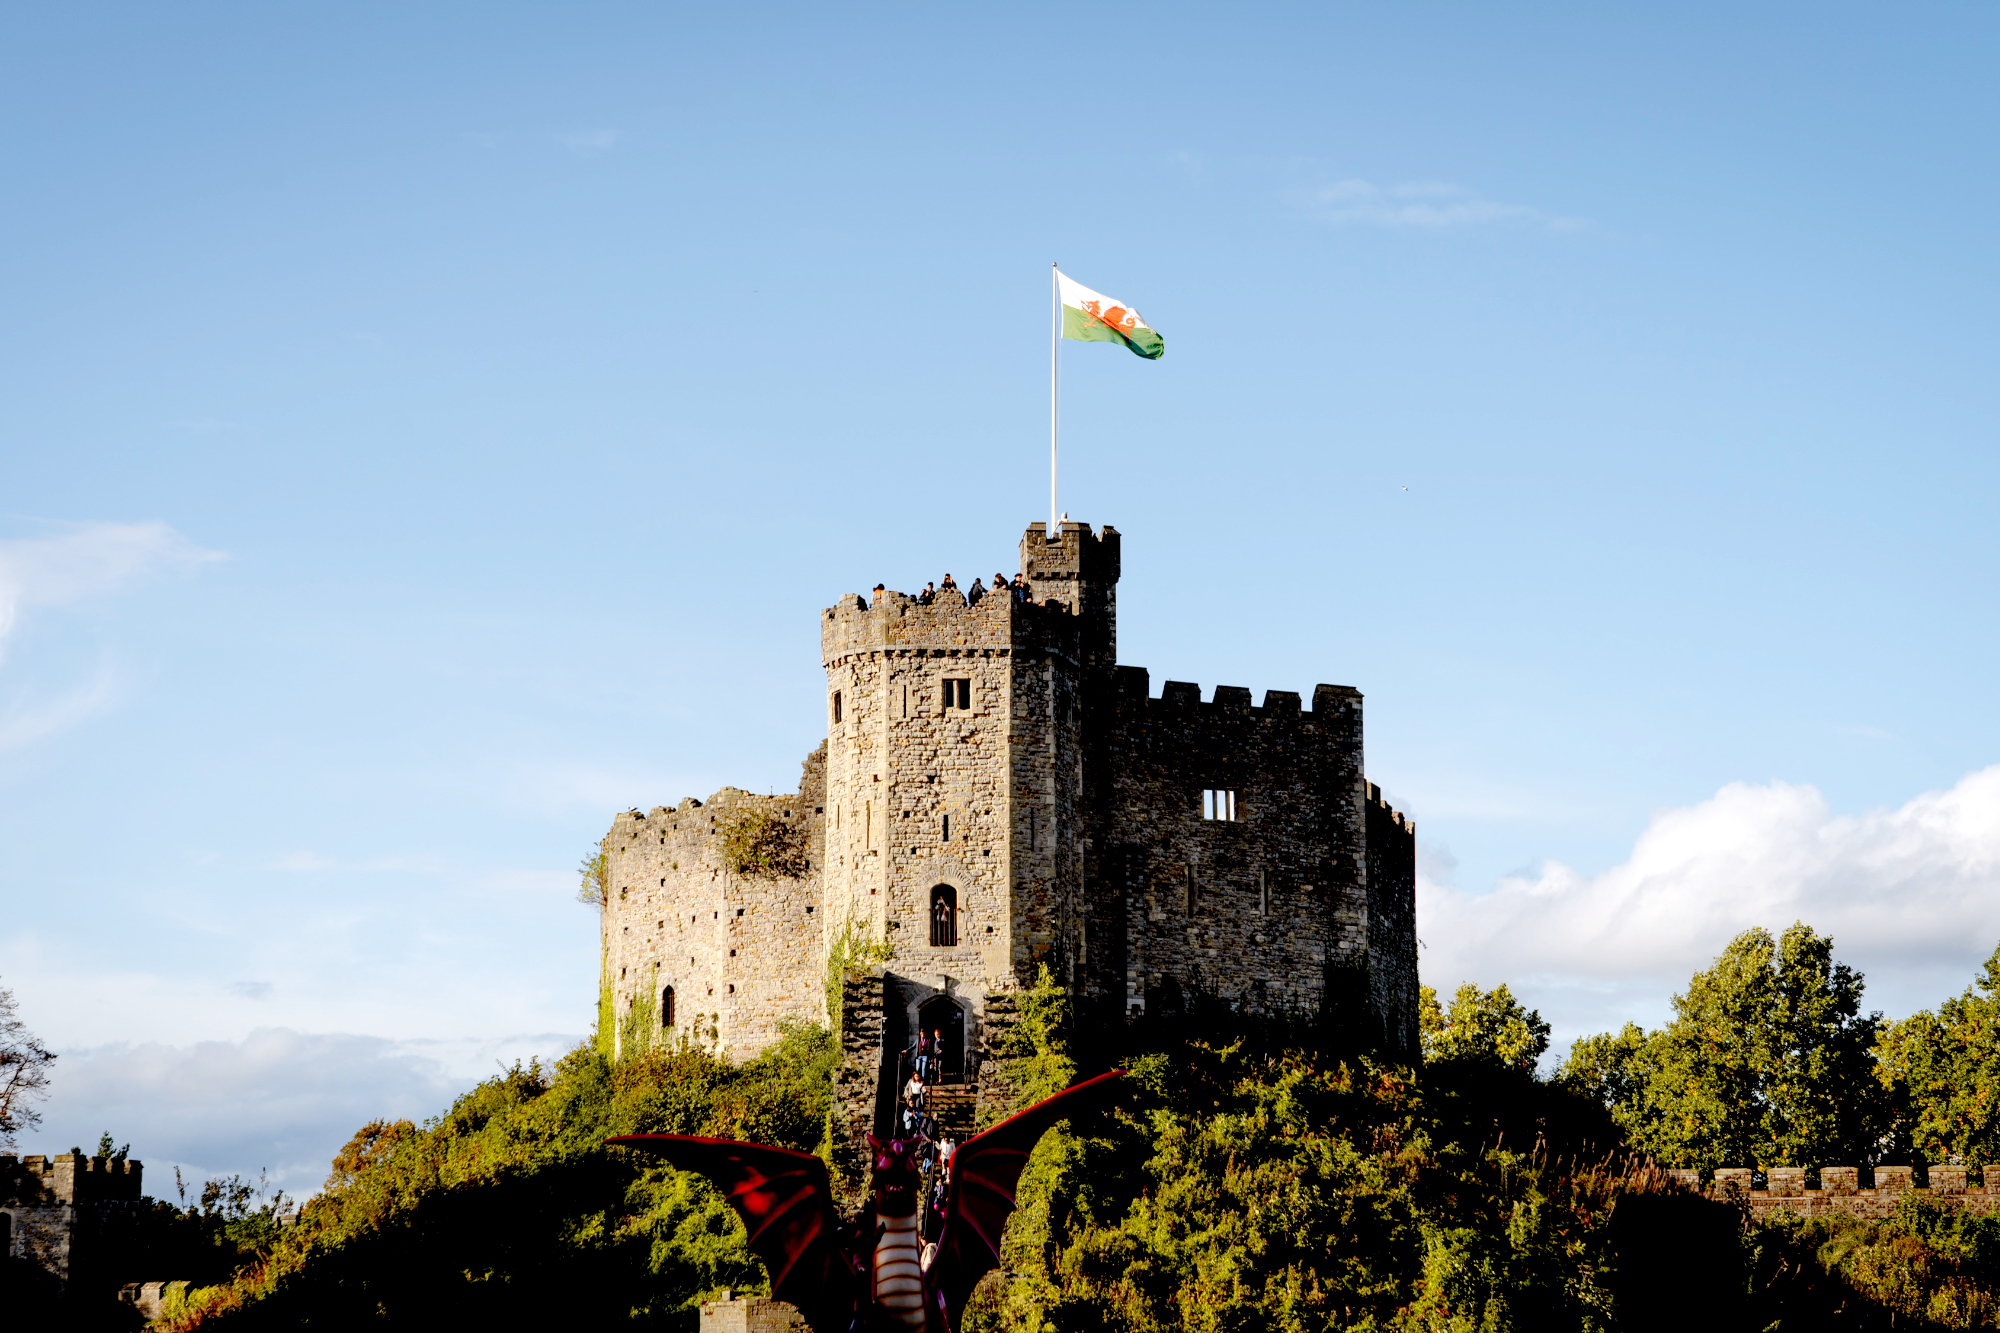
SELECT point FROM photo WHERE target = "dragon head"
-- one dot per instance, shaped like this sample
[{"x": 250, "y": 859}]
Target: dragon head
[{"x": 896, "y": 1177}]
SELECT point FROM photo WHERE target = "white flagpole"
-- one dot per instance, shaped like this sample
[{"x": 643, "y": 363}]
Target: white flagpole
[{"x": 1055, "y": 341}]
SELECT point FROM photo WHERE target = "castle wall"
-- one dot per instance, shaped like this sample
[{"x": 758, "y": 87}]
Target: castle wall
[
  {"x": 1392, "y": 923},
  {"x": 56, "y": 1207},
  {"x": 742, "y": 952},
  {"x": 1258, "y": 909},
  {"x": 1841, "y": 1192}
]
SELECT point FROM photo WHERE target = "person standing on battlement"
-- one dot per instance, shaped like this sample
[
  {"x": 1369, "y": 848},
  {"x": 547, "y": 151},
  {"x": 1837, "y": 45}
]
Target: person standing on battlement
[
  {"x": 949, "y": 584},
  {"x": 928, "y": 595},
  {"x": 974, "y": 593}
]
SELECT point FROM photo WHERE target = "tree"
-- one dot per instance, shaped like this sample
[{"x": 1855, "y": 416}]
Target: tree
[
  {"x": 24, "y": 1072},
  {"x": 1768, "y": 1060},
  {"x": 590, "y": 889},
  {"x": 1945, "y": 1068},
  {"x": 1488, "y": 1027}
]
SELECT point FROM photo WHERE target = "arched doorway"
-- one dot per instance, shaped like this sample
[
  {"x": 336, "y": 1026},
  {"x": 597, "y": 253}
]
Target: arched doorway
[{"x": 941, "y": 1014}]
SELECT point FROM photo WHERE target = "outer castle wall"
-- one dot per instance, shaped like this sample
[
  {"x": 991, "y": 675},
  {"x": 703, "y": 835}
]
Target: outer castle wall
[
  {"x": 992, "y": 756},
  {"x": 54, "y": 1210}
]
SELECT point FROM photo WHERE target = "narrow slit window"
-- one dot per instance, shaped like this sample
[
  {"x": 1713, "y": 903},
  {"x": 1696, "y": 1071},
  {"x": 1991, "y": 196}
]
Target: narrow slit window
[
  {"x": 958, "y": 694},
  {"x": 1263, "y": 894},
  {"x": 944, "y": 917},
  {"x": 947, "y": 828},
  {"x": 667, "y": 1007},
  {"x": 836, "y": 705},
  {"x": 1218, "y": 803}
]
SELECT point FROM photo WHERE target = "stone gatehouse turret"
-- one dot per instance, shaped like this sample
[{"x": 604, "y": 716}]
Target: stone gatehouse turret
[{"x": 994, "y": 792}]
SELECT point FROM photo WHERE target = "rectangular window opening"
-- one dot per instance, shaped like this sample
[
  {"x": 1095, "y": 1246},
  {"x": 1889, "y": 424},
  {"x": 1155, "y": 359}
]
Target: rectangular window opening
[
  {"x": 947, "y": 828},
  {"x": 1218, "y": 803},
  {"x": 958, "y": 694},
  {"x": 836, "y": 705},
  {"x": 1263, "y": 895}
]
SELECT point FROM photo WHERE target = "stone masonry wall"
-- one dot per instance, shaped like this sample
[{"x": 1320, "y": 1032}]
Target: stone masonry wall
[
  {"x": 1258, "y": 909},
  {"x": 741, "y": 952},
  {"x": 56, "y": 1206},
  {"x": 1392, "y": 923},
  {"x": 859, "y": 1108},
  {"x": 1841, "y": 1191},
  {"x": 903, "y": 758}
]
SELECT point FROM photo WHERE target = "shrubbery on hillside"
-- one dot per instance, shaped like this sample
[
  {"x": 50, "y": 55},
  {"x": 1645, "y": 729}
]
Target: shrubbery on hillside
[
  {"x": 1252, "y": 1177},
  {"x": 509, "y": 1211}
]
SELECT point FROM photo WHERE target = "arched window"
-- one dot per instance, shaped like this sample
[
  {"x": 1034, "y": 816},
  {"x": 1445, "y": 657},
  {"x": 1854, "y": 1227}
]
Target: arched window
[
  {"x": 667, "y": 1007},
  {"x": 944, "y": 916}
]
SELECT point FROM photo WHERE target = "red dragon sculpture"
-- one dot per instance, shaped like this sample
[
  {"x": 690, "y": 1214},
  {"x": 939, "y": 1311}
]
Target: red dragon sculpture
[{"x": 871, "y": 1276}]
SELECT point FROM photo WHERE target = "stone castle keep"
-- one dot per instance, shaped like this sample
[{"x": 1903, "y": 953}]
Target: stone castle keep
[{"x": 995, "y": 793}]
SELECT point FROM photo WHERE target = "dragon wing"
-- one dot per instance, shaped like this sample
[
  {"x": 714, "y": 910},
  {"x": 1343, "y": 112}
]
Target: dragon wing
[
  {"x": 787, "y": 1208},
  {"x": 984, "y": 1172}
]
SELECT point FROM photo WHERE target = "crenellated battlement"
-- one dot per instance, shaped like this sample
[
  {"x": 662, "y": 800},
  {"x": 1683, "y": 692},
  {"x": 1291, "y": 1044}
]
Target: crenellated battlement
[
  {"x": 1841, "y": 1191},
  {"x": 67, "y": 1179},
  {"x": 898, "y": 620},
  {"x": 1132, "y": 686}
]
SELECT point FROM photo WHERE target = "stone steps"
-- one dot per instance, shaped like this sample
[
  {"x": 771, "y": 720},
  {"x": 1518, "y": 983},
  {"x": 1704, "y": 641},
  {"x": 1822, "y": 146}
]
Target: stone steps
[{"x": 955, "y": 1107}]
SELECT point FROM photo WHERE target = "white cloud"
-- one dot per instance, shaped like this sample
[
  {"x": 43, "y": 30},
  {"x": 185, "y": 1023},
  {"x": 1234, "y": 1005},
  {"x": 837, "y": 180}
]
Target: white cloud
[
  {"x": 88, "y": 560},
  {"x": 1426, "y": 204},
  {"x": 278, "y": 1099},
  {"x": 1910, "y": 895}
]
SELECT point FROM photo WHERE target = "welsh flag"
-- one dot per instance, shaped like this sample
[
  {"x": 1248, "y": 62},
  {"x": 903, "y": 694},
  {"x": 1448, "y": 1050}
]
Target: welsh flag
[{"x": 1092, "y": 317}]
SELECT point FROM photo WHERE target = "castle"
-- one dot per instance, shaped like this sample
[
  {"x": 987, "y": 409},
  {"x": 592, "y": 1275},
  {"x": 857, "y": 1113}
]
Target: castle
[{"x": 996, "y": 793}]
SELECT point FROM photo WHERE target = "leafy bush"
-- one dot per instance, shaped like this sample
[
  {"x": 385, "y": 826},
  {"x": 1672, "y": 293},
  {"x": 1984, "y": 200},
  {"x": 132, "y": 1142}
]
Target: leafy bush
[{"x": 756, "y": 843}]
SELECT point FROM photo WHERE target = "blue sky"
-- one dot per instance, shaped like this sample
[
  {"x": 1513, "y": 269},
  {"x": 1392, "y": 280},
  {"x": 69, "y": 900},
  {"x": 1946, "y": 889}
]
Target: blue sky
[{"x": 426, "y": 430}]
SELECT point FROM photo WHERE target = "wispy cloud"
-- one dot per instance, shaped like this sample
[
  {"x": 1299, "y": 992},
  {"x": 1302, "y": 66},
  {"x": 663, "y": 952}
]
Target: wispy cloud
[
  {"x": 1432, "y": 205},
  {"x": 589, "y": 143},
  {"x": 88, "y": 560},
  {"x": 26, "y": 719},
  {"x": 1910, "y": 894}
]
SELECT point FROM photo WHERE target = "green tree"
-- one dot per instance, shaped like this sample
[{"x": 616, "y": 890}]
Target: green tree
[
  {"x": 590, "y": 889},
  {"x": 1945, "y": 1068},
  {"x": 1767, "y": 1060},
  {"x": 1487, "y": 1027}
]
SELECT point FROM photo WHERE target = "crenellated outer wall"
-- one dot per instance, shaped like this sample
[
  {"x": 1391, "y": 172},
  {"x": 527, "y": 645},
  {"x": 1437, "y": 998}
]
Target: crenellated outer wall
[{"x": 58, "y": 1210}]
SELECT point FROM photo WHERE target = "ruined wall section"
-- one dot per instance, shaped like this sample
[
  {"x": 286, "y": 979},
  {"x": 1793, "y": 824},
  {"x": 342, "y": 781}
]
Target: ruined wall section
[
  {"x": 742, "y": 952},
  {"x": 1269, "y": 909}
]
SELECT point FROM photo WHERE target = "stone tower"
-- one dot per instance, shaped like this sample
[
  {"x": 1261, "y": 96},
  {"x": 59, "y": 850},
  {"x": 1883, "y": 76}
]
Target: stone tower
[{"x": 996, "y": 793}]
